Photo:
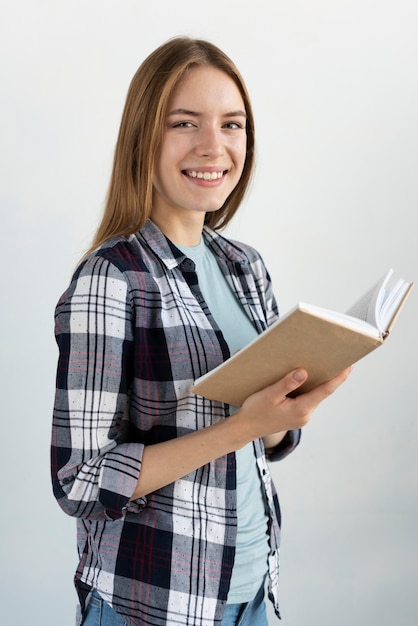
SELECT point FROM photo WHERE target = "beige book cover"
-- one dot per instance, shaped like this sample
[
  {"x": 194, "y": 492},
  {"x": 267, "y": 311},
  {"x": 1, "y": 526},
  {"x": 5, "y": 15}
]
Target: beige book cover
[{"x": 322, "y": 341}]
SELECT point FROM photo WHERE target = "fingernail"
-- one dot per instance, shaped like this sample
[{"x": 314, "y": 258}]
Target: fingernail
[{"x": 299, "y": 375}]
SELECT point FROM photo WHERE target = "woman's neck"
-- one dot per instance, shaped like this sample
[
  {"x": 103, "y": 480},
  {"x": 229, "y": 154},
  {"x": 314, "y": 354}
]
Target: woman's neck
[{"x": 180, "y": 229}]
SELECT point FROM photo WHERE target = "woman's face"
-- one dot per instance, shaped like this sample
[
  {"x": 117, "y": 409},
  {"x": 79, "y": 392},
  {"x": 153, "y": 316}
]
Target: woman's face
[{"x": 203, "y": 149}]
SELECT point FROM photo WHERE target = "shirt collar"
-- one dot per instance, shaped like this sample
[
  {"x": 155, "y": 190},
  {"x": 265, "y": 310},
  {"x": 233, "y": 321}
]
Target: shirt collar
[{"x": 171, "y": 256}]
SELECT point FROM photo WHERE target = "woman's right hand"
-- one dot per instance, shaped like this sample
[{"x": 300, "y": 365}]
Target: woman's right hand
[{"x": 272, "y": 410}]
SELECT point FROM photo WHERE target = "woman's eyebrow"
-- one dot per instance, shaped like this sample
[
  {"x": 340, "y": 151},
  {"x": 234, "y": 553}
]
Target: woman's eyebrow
[{"x": 237, "y": 113}]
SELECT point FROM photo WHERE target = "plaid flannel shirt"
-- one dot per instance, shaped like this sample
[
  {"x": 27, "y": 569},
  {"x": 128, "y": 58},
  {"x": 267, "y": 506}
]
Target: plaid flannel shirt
[{"x": 133, "y": 333}]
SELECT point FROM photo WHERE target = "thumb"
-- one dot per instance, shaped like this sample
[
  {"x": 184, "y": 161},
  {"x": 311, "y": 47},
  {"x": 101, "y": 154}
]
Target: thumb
[
  {"x": 294, "y": 380},
  {"x": 288, "y": 385}
]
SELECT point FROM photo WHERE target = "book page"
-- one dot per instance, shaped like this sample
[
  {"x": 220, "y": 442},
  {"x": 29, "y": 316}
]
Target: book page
[
  {"x": 368, "y": 306},
  {"x": 344, "y": 319},
  {"x": 392, "y": 299}
]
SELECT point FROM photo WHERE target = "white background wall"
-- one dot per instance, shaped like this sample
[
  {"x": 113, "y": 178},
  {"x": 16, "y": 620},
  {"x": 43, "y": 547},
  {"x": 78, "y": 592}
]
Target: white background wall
[{"x": 335, "y": 92}]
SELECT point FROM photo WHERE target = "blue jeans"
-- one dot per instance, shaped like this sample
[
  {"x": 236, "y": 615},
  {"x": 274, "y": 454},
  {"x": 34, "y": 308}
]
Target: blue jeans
[
  {"x": 249, "y": 614},
  {"x": 99, "y": 613}
]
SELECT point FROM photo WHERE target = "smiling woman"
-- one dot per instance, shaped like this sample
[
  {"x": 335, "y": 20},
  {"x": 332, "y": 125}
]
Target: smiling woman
[
  {"x": 178, "y": 519},
  {"x": 202, "y": 153},
  {"x": 131, "y": 191}
]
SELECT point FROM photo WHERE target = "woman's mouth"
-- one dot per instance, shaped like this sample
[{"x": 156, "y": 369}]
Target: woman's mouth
[{"x": 205, "y": 175}]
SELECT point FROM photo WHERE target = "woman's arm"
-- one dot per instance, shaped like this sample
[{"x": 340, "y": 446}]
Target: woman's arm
[
  {"x": 94, "y": 466},
  {"x": 163, "y": 463},
  {"x": 96, "y": 470}
]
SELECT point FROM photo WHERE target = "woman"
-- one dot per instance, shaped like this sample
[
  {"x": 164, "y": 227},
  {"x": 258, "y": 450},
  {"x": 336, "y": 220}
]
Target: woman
[{"x": 178, "y": 520}]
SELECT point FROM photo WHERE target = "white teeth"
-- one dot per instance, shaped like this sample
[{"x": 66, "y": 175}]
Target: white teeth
[{"x": 205, "y": 175}]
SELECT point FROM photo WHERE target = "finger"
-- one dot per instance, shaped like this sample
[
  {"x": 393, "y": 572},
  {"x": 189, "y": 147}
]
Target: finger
[
  {"x": 331, "y": 385},
  {"x": 287, "y": 385},
  {"x": 324, "y": 390}
]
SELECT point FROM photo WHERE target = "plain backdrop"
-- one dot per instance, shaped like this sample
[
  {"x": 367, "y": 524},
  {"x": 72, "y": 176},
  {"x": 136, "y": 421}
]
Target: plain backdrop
[{"x": 333, "y": 206}]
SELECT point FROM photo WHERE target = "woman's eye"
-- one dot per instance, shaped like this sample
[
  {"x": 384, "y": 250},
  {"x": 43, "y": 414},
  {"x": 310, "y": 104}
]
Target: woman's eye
[
  {"x": 233, "y": 125},
  {"x": 182, "y": 125}
]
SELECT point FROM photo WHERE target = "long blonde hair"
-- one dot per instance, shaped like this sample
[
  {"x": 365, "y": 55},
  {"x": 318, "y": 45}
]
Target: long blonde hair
[{"x": 129, "y": 198}]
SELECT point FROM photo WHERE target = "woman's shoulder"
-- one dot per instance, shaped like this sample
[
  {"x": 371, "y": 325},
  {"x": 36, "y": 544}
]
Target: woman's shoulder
[
  {"x": 119, "y": 261},
  {"x": 118, "y": 264},
  {"x": 122, "y": 253}
]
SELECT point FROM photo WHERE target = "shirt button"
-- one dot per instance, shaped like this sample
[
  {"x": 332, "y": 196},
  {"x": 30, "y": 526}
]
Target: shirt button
[{"x": 188, "y": 265}]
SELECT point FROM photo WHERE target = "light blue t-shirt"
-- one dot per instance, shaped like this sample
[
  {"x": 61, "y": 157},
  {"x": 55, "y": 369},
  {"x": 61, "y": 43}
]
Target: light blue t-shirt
[{"x": 252, "y": 548}]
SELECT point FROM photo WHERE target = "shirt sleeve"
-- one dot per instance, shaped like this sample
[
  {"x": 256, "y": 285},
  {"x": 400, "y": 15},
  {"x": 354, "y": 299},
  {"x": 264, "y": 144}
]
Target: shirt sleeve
[
  {"x": 94, "y": 466},
  {"x": 289, "y": 442}
]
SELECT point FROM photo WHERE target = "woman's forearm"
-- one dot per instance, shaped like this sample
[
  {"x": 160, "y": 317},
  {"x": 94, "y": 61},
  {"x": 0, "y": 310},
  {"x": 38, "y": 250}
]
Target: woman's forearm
[
  {"x": 276, "y": 412},
  {"x": 165, "y": 462}
]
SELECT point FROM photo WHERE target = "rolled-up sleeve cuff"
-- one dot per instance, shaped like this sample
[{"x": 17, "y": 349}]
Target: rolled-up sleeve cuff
[
  {"x": 286, "y": 446},
  {"x": 119, "y": 476}
]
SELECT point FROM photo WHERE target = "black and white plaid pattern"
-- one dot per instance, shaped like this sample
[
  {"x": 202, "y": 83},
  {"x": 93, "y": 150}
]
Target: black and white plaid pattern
[{"x": 133, "y": 333}]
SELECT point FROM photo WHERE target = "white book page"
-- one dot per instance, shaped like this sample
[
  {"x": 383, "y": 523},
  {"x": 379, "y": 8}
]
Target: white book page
[
  {"x": 391, "y": 303},
  {"x": 343, "y": 319},
  {"x": 368, "y": 306}
]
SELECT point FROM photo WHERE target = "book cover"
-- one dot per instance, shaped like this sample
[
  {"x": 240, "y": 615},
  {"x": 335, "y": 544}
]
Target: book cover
[{"x": 321, "y": 341}]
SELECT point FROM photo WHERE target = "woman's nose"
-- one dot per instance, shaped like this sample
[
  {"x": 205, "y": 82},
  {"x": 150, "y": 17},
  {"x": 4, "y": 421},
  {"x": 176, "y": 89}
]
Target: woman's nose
[{"x": 210, "y": 143}]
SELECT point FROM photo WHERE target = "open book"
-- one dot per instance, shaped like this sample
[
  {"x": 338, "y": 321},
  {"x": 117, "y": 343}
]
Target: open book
[{"x": 322, "y": 341}]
